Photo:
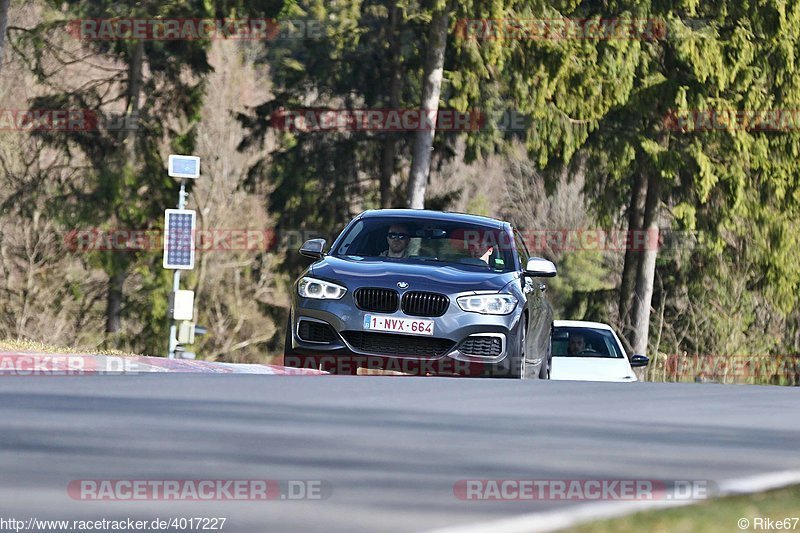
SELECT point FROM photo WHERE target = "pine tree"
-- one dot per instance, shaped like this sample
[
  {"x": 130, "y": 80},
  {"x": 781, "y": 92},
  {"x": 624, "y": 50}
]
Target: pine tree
[{"x": 152, "y": 92}]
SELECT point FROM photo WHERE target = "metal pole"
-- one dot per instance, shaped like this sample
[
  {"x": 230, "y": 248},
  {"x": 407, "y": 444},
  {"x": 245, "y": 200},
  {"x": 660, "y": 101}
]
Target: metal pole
[{"x": 176, "y": 282}]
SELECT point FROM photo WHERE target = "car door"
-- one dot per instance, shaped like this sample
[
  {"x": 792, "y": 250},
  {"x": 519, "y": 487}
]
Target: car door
[
  {"x": 540, "y": 314},
  {"x": 528, "y": 284}
]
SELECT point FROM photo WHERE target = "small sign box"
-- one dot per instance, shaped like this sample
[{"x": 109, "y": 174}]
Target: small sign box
[
  {"x": 182, "y": 305},
  {"x": 179, "y": 231},
  {"x": 184, "y": 166}
]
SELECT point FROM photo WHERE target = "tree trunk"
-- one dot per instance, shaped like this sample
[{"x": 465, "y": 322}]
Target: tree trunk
[
  {"x": 389, "y": 151},
  {"x": 431, "y": 88},
  {"x": 132, "y": 109},
  {"x": 119, "y": 269},
  {"x": 388, "y": 155},
  {"x": 114, "y": 300},
  {"x": 635, "y": 221},
  {"x": 645, "y": 275},
  {"x": 3, "y": 25}
]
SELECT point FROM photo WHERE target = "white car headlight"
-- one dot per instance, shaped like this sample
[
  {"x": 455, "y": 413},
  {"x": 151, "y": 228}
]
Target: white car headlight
[
  {"x": 488, "y": 304},
  {"x": 320, "y": 290}
]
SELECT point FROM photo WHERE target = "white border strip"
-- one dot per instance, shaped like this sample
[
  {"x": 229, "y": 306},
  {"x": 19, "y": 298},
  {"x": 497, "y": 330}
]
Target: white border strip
[{"x": 573, "y": 515}]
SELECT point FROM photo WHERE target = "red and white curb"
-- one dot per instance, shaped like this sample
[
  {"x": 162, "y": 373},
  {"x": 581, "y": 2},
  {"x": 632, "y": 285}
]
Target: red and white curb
[{"x": 42, "y": 364}]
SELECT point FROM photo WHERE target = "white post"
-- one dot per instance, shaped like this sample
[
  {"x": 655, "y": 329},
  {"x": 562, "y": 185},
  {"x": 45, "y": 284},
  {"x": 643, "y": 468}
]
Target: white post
[{"x": 176, "y": 282}]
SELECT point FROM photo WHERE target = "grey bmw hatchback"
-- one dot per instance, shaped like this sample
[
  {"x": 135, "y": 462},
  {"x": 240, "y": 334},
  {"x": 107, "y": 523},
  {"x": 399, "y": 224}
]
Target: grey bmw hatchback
[{"x": 422, "y": 292}]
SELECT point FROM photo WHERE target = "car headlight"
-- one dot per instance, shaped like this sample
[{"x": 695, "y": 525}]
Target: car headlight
[
  {"x": 488, "y": 304},
  {"x": 320, "y": 290}
]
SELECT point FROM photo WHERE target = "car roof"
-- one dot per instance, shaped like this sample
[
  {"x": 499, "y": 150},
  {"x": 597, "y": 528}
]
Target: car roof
[
  {"x": 434, "y": 215},
  {"x": 581, "y": 324}
]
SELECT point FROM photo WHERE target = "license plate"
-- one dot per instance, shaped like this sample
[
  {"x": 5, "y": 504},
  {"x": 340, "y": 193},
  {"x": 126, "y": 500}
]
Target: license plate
[{"x": 415, "y": 326}]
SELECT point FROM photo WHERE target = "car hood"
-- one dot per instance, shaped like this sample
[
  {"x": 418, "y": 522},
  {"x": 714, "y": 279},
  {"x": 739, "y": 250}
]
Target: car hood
[
  {"x": 591, "y": 369},
  {"x": 378, "y": 273}
]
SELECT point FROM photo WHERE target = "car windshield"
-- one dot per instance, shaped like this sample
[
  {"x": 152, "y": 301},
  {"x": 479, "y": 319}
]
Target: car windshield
[
  {"x": 419, "y": 240},
  {"x": 585, "y": 342}
]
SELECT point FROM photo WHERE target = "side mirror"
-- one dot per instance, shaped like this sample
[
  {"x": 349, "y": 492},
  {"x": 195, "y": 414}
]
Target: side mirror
[
  {"x": 313, "y": 248},
  {"x": 540, "y": 268},
  {"x": 639, "y": 360}
]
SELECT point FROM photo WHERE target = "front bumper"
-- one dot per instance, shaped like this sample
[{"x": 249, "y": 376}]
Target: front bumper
[{"x": 455, "y": 326}]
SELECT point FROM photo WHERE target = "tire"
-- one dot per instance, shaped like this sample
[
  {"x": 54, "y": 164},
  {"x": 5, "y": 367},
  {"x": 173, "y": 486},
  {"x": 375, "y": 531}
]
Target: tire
[
  {"x": 544, "y": 371},
  {"x": 297, "y": 360},
  {"x": 287, "y": 342},
  {"x": 519, "y": 366},
  {"x": 293, "y": 359}
]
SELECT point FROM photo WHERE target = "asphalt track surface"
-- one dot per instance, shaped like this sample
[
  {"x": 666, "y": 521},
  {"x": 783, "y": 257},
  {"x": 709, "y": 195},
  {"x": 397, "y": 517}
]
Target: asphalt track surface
[{"x": 391, "y": 448}]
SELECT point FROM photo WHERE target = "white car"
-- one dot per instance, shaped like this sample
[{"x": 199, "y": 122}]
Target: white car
[{"x": 590, "y": 351}]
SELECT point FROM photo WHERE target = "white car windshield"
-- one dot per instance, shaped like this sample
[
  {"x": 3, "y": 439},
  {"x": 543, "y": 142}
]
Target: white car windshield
[{"x": 585, "y": 342}]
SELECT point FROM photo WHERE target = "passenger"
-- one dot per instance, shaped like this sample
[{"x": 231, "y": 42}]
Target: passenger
[
  {"x": 475, "y": 252},
  {"x": 480, "y": 250}
]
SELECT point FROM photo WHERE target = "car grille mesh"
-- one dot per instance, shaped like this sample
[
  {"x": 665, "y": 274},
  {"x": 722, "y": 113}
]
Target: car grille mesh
[
  {"x": 315, "y": 332},
  {"x": 378, "y": 300},
  {"x": 482, "y": 346},
  {"x": 425, "y": 303},
  {"x": 399, "y": 345}
]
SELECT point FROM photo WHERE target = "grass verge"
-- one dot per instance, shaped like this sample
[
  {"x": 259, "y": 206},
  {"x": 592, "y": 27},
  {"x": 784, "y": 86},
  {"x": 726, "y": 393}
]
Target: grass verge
[
  {"x": 712, "y": 516},
  {"x": 26, "y": 345}
]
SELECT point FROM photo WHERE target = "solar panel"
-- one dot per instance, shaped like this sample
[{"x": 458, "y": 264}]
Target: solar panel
[{"x": 179, "y": 226}]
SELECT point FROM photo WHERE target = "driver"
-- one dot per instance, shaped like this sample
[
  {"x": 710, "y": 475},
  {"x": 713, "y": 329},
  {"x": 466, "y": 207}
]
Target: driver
[
  {"x": 576, "y": 345},
  {"x": 397, "y": 237}
]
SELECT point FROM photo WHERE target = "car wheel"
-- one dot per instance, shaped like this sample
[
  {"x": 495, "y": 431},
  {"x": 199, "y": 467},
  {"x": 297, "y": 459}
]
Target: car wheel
[
  {"x": 544, "y": 372},
  {"x": 522, "y": 366},
  {"x": 295, "y": 360},
  {"x": 287, "y": 342}
]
